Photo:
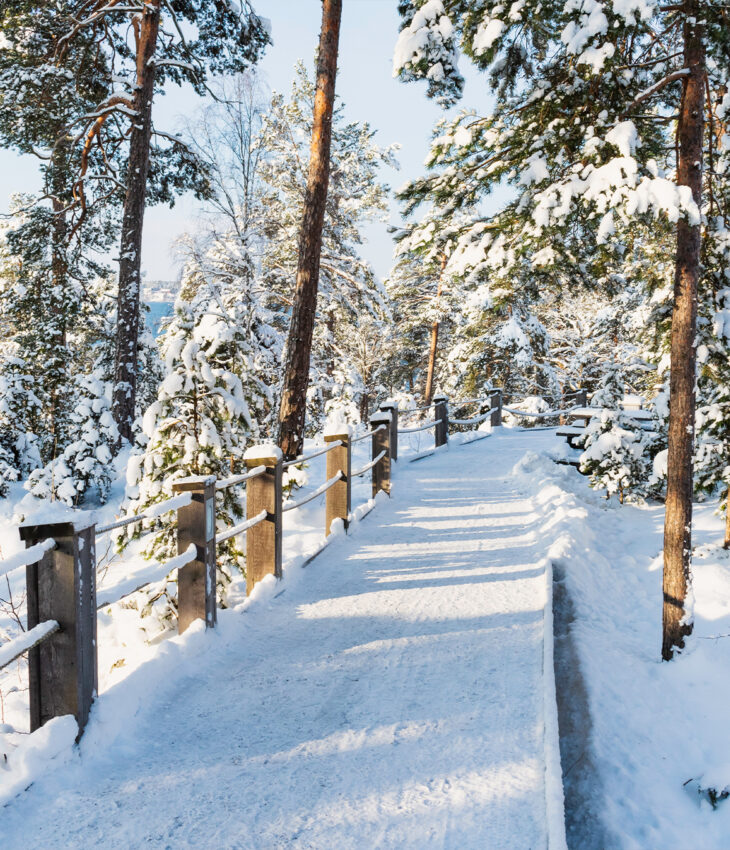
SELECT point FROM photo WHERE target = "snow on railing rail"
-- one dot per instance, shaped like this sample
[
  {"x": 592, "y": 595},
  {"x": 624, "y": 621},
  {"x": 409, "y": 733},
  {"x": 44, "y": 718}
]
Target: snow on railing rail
[
  {"x": 27, "y": 640},
  {"x": 239, "y": 479},
  {"x": 368, "y": 466},
  {"x": 28, "y": 556},
  {"x": 475, "y": 420},
  {"x": 415, "y": 409},
  {"x": 160, "y": 571},
  {"x": 367, "y": 434},
  {"x": 239, "y": 529},
  {"x": 303, "y": 458},
  {"x": 460, "y": 402},
  {"x": 318, "y": 492},
  {"x": 545, "y": 414},
  {"x": 423, "y": 427},
  {"x": 154, "y": 511}
]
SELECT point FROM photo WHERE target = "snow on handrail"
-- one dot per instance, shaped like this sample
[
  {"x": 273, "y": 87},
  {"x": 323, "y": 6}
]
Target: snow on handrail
[
  {"x": 475, "y": 421},
  {"x": 154, "y": 511},
  {"x": 303, "y": 458},
  {"x": 318, "y": 492},
  {"x": 421, "y": 427},
  {"x": 368, "y": 465},
  {"x": 21, "y": 644},
  {"x": 542, "y": 415},
  {"x": 367, "y": 434},
  {"x": 160, "y": 571},
  {"x": 239, "y": 529},
  {"x": 239, "y": 479},
  {"x": 28, "y": 556},
  {"x": 460, "y": 402}
]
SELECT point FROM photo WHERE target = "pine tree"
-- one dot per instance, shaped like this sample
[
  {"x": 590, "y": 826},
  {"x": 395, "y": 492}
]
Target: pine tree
[
  {"x": 201, "y": 421},
  {"x": 348, "y": 292}
]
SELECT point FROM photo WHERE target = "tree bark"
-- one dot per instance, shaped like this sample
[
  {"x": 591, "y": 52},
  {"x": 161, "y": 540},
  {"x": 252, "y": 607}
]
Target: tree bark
[
  {"x": 428, "y": 393},
  {"x": 130, "y": 255},
  {"x": 678, "y": 517},
  {"x": 726, "y": 544},
  {"x": 293, "y": 408}
]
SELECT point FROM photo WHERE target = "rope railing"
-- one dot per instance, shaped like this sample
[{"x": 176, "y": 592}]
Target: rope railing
[
  {"x": 367, "y": 434},
  {"x": 20, "y": 645},
  {"x": 475, "y": 420},
  {"x": 318, "y": 492},
  {"x": 241, "y": 527},
  {"x": 543, "y": 415},
  {"x": 369, "y": 466},
  {"x": 26, "y": 557},
  {"x": 424, "y": 427},
  {"x": 239, "y": 479},
  {"x": 460, "y": 402},
  {"x": 415, "y": 409},
  {"x": 160, "y": 572},
  {"x": 153, "y": 512},
  {"x": 303, "y": 458}
]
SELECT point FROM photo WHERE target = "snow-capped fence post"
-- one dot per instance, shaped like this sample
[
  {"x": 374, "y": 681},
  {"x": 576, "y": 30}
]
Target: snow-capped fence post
[
  {"x": 392, "y": 408},
  {"x": 62, "y": 671},
  {"x": 441, "y": 415},
  {"x": 264, "y": 493},
  {"x": 196, "y": 581},
  {"x": 495, "y": 404},
  {"x": 339, "y": 495},
  {"x": 381, "y": 445}
]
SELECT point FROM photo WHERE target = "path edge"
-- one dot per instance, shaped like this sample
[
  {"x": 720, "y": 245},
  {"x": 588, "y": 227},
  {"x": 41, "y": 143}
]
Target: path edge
[{"x": 554, "y": 795}]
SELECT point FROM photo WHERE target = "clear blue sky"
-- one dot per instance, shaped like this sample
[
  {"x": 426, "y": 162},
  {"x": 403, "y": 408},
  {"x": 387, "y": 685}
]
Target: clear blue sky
[{"x": 401, "y": 113}]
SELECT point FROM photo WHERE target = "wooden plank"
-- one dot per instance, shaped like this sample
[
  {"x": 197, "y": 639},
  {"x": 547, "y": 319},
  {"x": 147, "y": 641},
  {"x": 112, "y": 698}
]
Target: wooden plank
[
  {"x": 381, "y": 442},
  {"x": 441, "y": 415},
  {"x": 339, "y": 495},
  {"x": 62, "y": 587},
  {"x": 392, "y": 408},
  {"x": 196, "y": 581},
  {"x": 264, "y": 541}
]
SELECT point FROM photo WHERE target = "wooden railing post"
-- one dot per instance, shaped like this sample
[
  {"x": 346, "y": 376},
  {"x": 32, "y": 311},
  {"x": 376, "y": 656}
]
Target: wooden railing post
[
  {"x": 392, "y": 408},
  {"x": 264, "y": 493},
  {"x": 441, "y": 412},
  {"x": 62, "y": 587},
  {"x": 581, "y": 397},
  {"x": 495, "y": 401},
  {"x": 381, "y": 442},
  {"x": 196, "y": 581},
  {"x": 339, "y": 495}
]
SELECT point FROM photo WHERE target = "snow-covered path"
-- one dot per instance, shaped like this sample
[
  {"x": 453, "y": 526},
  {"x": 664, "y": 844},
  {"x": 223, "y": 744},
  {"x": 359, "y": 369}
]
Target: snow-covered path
[{"x": 393, "y": 696}]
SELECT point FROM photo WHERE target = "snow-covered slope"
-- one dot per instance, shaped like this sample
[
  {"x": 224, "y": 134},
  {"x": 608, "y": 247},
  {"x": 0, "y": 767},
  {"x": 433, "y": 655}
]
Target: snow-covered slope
[{"x": 395, "y": 693}]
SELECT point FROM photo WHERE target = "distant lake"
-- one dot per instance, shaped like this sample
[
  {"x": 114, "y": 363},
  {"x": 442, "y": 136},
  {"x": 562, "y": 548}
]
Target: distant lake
[{"x": 159, "y": 310}]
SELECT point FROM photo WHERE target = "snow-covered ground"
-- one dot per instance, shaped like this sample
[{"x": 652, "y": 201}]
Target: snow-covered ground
[
  {"x": 398, "y": 691},
  {"x": 391, "y": 694},
  {"x": 657, "y": 732}
]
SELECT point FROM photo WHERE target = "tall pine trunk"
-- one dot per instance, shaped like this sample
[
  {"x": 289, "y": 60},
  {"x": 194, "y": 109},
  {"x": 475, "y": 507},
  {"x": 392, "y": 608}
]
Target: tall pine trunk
[
  {"x": 678, "y": 518},
  {"x": 433, "y": 348},
  {"x": 293, "y": 408},
  {"x": 130, "y": 256}
]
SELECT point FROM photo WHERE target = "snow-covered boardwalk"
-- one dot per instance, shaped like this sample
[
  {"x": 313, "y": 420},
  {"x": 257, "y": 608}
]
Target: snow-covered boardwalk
[{"x": 395, "y": 695}]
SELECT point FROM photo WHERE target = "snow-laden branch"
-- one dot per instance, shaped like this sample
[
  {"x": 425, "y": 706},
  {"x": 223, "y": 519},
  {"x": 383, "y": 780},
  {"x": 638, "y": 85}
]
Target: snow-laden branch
[{"x": 665, "y": 81}]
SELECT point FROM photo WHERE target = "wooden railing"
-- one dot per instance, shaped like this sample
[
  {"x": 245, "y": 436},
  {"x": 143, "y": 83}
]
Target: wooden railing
[{"x": 60, "y": 558}]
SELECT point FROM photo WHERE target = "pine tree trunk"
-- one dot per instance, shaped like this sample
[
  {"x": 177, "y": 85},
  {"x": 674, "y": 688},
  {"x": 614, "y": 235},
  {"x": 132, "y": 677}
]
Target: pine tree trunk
[
  {"x": 678, "y": 517},
  {"x": 56, "y": 371},
  {"x": 130, "y": 255},
  {"x": 428, "y": 393},
  {"x": 293, "y": 408},
  {"x": 726, "y": 544}
]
